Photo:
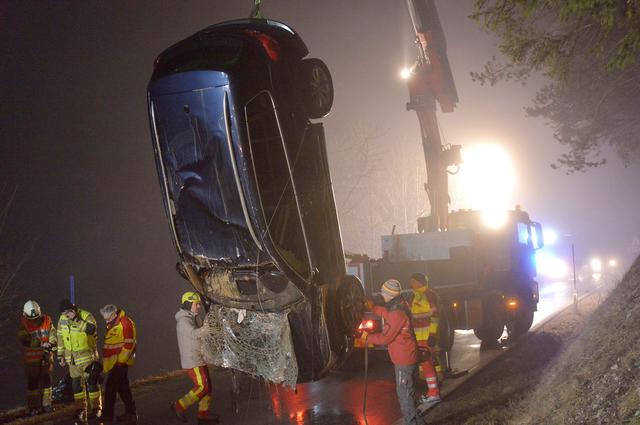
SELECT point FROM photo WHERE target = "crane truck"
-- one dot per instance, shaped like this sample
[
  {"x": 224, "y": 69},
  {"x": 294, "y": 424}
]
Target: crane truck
[{"x": 484, "y": 276}]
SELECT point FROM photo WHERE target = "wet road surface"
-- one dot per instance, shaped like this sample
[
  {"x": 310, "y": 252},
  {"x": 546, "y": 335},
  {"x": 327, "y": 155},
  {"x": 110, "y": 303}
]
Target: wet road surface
[{"x": 334, "y": 400}]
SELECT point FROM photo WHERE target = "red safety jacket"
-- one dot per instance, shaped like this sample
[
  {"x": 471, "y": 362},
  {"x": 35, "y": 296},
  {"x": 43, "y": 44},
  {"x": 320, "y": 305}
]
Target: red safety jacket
[
  {"x": 119, "y": 342},
  {"x": 33, "y": 334},
  {"x": 397, "y": 334}
]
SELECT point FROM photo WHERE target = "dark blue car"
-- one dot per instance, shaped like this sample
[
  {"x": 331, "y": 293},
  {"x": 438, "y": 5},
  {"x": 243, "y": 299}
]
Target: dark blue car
[{"x": 248, "y": 194}]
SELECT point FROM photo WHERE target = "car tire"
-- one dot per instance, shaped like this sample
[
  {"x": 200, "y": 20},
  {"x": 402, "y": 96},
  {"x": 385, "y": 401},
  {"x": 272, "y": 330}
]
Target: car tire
[
  {"x": 350, "y": 303},
  {"x": 317, "y": 87}
]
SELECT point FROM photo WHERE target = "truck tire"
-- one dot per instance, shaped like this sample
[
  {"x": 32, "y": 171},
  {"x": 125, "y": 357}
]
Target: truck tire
[
  {"x": 493, "y": 321},
  {"x": 521, "y": 323},
  {"x": 317, "y": 87}
]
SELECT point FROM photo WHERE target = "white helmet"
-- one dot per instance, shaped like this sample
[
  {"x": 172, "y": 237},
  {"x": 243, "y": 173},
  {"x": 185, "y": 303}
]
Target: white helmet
[{"x": 31, "y": 310}]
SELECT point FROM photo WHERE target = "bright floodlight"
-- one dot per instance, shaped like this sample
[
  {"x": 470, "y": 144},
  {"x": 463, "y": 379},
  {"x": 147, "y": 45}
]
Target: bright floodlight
[
  {"x": 549, "y": 236},
  {"x": 487, "y": 179},
  {"x": 494, "y": 219},
  {"x": 613, "y": 262},
  {"x": 596, "y": 265},
  {"x": 405, "y": 73}
]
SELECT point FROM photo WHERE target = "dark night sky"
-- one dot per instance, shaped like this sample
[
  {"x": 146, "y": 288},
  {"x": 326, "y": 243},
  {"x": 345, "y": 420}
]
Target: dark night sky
[{"x": 75, "y": 140}]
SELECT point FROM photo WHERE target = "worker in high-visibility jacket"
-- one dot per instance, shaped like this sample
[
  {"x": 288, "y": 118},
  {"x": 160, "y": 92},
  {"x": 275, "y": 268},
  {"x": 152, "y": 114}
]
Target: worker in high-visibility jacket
[
  {"x": 118, "y": 353},
  {"x": 191, "y": 358},
  {"x": 77, "y": 334},
  {"x": 38, "y": 338},
  {"x": 424, "y": 314}
]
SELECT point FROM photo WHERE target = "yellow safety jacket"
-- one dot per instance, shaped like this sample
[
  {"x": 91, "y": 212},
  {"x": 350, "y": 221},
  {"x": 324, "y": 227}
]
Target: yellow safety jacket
[
  {"x": 119, "y": 342},
  {"x": 421, "y": 314},
  {"x": 77, "y": 338}
]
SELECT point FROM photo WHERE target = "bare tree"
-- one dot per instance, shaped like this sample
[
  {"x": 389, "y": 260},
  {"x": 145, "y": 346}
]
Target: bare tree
[
  {"x": 8, "y": 270},
  {"x": 378, "y": 185}
]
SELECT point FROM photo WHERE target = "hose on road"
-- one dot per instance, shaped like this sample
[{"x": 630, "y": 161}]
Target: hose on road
[{"x": 366, "y": 373}]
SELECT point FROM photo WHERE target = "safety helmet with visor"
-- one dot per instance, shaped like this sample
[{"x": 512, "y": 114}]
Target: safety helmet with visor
[{"x": 31, "y": 310}]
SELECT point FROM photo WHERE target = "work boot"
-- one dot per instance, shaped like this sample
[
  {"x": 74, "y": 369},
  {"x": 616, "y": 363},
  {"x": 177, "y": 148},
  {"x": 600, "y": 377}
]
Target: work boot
[
  {"x": 429, "y": 399},
  {"x": 127, "y": 418},
  {"x": 80, "y": 417},
  {"x": 211, "y": 419},
  {"x": 178, "y": 412},
  {"x": 94, "y": 414}
]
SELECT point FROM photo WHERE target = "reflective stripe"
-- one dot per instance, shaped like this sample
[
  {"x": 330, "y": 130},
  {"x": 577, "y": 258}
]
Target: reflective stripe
[
  {"x": 199, "y": 381},
  {"x": 112, "y": 346}
]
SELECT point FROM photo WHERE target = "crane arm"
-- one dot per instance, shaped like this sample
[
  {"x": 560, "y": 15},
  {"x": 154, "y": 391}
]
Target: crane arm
[{"x": 431, "y": 82}]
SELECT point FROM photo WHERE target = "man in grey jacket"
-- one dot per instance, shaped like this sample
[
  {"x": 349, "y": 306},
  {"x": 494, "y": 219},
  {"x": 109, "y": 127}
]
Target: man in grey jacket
[{"x": 191, "y": 359}]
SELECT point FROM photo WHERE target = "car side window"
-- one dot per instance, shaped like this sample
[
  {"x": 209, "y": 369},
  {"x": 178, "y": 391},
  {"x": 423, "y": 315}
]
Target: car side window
[{"x": 273, "y": 179}]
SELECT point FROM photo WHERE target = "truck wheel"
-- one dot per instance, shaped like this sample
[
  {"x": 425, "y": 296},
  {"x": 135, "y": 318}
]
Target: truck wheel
[
  {"x": 492, "y": 322},
  {"x": 317, "y": 87},
  {"x": 521, "y": 323},
  {"x": 490, "y": 332}
]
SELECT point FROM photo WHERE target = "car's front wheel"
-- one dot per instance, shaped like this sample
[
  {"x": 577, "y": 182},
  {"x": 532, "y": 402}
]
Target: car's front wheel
[{"x": 317, "y": 87}]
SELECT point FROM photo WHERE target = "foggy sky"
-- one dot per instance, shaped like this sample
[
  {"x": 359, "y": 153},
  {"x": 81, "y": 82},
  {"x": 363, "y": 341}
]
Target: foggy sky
[{"x": 75, "y": 140}]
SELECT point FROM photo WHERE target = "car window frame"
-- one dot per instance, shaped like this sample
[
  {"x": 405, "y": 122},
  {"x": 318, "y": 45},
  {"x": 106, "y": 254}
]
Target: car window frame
[{"x": 309, "y": 270}]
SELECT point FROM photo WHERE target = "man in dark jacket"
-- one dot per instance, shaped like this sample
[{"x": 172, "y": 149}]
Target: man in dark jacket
[{"x": 399, "y": 337}]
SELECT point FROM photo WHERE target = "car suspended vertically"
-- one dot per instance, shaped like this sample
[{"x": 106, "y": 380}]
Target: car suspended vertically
[{"x": 247, "y": 191}]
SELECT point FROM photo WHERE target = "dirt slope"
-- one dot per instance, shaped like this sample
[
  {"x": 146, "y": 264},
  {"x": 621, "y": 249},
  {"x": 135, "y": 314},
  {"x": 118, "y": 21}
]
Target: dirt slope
[
  {"x": 580, "y": 368},
  {"x": 596, "y": 380}
]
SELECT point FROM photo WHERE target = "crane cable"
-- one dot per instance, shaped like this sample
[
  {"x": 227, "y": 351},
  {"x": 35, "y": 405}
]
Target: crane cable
[{"x": 256, "y": 13}]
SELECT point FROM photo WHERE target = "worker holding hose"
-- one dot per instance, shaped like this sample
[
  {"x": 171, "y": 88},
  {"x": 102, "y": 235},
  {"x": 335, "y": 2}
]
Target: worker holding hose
[{"x": 400, "y": 340}]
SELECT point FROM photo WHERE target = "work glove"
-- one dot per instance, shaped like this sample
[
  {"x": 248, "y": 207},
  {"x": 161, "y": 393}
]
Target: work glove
[
  {"x": 62, "y": 362},
  {"x": 94, "y": 371},
  {"x": 368, "y": 303},
  {"x": 91, "y": 329},
  {"x": 205, "y": 330},
  {"x": 46, "y": 345}
]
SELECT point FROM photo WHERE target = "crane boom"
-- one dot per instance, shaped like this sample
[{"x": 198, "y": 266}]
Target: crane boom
[{"x": 431, "y": 81}]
